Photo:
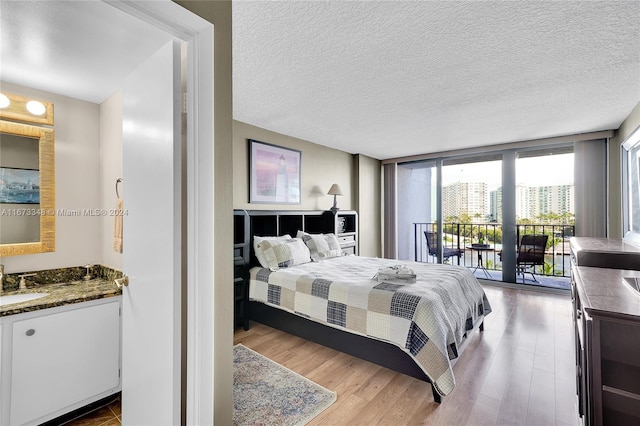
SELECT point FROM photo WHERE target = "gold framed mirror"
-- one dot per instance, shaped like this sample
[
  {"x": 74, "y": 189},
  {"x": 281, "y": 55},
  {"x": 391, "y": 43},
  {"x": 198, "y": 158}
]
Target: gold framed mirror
[{"x": 27, "y": 189}]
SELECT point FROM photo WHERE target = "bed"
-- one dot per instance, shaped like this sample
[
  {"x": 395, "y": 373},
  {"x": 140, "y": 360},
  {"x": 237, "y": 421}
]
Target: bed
[{"x": 414, "y": 328}]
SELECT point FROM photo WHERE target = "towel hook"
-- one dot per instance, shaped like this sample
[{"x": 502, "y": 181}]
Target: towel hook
[{"x": 117, "y": 182}]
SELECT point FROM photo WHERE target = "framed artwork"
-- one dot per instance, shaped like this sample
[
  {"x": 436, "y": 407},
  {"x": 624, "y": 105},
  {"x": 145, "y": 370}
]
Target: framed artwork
[
  {"x": 19, "y": 186},
  {"x": 274, "y": 174}
]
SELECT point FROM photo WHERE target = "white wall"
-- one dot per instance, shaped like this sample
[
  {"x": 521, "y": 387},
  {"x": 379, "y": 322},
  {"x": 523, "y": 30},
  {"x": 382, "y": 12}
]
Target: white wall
[
  {"x": 110, "y": 171},
  {"x": 77, "y": 152}
]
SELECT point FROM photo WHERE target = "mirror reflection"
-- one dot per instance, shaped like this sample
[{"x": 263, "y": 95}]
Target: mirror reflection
[
  {"x": 19, "y": 189},
  {"x": 27, "y": 189}
]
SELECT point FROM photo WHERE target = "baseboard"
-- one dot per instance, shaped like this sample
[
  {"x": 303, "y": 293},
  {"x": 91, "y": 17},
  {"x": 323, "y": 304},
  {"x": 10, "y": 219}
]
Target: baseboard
[{"x": 522, "y": 287}]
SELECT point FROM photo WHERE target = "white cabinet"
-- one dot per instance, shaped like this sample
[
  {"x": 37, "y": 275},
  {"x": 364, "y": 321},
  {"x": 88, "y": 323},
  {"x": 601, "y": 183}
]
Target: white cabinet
[{"x": 60, "y": 359}]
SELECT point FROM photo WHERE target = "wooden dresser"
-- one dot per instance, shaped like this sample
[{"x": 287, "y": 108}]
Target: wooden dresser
[{"x": 607, "y": 335}]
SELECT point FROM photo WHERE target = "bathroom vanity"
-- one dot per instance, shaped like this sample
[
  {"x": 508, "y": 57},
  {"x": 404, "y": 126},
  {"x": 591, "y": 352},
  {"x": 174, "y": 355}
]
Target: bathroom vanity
[{"x": 59, "y": 352}]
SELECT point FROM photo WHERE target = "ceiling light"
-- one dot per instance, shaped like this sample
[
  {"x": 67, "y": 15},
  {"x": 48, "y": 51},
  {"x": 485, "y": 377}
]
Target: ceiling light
[
  {"x": 36, "y": 108},
  {"x": 4, "y": 101}
]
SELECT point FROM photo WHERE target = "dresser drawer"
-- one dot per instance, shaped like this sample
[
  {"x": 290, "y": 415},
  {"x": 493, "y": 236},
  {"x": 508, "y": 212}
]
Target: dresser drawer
[{"x": 346, "y": 238}]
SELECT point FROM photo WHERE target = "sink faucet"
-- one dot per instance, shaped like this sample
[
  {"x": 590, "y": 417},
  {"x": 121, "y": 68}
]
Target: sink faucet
[
  {"x": 23, "y": 282},
  {"x": 1, "y": 278}
]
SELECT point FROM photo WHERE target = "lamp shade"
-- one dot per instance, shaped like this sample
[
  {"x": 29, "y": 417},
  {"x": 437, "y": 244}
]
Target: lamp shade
[{"x": 335, "y": 190}]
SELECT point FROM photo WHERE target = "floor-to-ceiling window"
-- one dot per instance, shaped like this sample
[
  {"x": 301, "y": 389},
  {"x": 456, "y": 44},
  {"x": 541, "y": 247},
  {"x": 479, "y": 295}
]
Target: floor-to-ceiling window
[
  {"x": 545, "y": 207},
  {"x": 474, "y": 210},
  {"x": 469, "y": 185}
]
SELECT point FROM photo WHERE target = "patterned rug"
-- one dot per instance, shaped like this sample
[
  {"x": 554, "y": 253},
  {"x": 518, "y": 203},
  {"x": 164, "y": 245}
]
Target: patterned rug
[{"x": 266, "y": 393}]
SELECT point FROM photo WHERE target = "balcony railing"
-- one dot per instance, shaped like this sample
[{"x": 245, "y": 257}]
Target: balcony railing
[{"x": 462, "y": 235}]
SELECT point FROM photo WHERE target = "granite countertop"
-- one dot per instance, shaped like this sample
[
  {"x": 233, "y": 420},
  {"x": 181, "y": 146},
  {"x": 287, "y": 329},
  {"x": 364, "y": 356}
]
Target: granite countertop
[
  {"x": 61, "y": 294},
  {"x": 603, "y": 245},
  {"x": 604, "y": 292}
]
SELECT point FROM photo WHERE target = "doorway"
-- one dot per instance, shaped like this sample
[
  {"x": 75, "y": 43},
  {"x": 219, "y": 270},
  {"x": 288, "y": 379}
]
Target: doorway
[{"x": 189, "y": 289}]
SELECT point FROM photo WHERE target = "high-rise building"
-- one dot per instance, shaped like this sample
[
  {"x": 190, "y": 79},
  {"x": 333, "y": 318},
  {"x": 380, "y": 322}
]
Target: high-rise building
[
  {"x": 495, "y": 205},
  {"x": 468, "y": 198},
  {"x": 532, "y": 201},
  {"x": 557, "y": 199}
]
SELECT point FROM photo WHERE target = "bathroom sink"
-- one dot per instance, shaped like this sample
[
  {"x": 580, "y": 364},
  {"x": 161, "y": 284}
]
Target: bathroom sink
[{"x": 19, "y": 298}]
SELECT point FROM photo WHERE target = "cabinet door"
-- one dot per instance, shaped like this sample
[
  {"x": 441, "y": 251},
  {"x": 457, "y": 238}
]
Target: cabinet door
[{"x": 62, "y": 359}]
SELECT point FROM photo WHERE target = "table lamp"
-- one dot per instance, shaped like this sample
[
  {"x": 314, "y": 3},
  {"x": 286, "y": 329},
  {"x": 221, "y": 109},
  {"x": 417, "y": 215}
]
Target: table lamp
[{"x": 335, "y": 191}]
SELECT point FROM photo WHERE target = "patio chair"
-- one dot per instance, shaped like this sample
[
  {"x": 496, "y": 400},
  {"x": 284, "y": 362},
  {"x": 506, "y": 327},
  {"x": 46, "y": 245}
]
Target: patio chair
[
  {"x": 447, "y": 252},
  {"x": 530, "y": 253}
]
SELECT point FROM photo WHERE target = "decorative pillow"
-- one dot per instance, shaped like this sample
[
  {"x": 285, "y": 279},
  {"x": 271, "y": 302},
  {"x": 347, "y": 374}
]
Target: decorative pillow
[
  {"x": 321, "y": 246},
  {"x": 259, "y": 255},
  {"x": 284, "y": 253}
]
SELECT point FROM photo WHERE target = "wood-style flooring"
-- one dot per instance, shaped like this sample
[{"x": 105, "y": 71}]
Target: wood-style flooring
[
  {"x": 519, "y": 371},
  {"x": 105, "y": 413}
]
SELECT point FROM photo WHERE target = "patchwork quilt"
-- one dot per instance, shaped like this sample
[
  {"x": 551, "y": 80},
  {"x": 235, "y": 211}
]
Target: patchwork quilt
[{"x": 427, "y": 319}]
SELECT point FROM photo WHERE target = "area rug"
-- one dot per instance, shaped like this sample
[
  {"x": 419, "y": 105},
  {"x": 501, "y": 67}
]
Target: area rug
[{"x": 266, "y": 393}]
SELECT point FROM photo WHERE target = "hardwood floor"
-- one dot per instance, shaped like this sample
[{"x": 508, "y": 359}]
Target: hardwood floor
[{"x": 519, "y": 371}]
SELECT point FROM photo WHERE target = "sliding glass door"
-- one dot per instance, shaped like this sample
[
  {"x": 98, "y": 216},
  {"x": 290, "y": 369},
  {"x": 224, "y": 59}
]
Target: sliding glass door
[
  {"x": 474, "y": 211},
  {"x": 545, "y": 210},
  {"x": 471, "y": 206}
]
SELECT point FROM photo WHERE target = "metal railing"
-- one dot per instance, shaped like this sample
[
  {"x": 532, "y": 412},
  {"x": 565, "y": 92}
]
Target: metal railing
[{"x": 462, "y": 235}]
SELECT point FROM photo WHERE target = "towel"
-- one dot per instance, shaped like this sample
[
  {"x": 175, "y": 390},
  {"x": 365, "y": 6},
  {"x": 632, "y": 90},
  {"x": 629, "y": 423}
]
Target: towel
[
  {"x": 396, "y": 274},
  {"x": 117, "y": 227}
]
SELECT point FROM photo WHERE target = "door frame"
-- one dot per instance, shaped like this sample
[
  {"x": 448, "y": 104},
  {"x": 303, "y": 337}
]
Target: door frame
[{"x": 198, "y": 212}]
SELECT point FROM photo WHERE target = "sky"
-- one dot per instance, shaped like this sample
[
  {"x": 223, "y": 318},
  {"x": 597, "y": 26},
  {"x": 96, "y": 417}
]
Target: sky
[{"x": 534, "y": 171}]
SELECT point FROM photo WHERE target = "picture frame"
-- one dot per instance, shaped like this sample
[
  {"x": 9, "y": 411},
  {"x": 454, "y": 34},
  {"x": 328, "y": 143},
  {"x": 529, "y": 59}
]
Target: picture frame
[
  {"x": 274, "y": 174},
  {"x": 19, "y": 186}
]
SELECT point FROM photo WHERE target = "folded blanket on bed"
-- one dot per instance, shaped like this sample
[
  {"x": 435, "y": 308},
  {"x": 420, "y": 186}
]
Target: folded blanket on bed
[{"x": 396, "y": 274}]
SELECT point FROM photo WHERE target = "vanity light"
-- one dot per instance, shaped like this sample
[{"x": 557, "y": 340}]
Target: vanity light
[
  {"x": 29, "y": 110},
  {"x": 36, "y": 107},
  {"x": 4, "y": 101}
]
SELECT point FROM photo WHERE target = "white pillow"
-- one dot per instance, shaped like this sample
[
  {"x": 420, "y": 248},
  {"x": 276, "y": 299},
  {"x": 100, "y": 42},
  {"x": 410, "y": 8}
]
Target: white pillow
[
  {"x": 284, "y": 253},
  {"x": 321, "y": 246},
  {"x": 257, "y": 240}
]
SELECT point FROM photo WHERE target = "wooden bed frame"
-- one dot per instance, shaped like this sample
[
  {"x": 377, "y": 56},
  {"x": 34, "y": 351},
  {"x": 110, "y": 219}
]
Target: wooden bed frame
[{"x": 373, "y": 350}]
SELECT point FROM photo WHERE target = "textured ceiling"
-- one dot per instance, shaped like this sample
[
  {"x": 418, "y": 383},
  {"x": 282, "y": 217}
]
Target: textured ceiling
[
  {"x": 389, "y": 79},
  {"x": 384, "y": 79}
]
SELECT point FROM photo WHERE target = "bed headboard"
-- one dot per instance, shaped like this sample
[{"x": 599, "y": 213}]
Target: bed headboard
[{"x": 268, "y": 223}]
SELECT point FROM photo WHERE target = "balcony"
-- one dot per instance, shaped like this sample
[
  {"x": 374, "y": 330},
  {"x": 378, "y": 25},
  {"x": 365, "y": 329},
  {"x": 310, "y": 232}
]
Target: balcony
[{"x": 555, "y": 272}]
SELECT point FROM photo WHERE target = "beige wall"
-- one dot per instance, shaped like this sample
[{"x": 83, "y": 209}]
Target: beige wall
[
  {"x": 321, "y": 167},
  {"x": 358, "y": 176},
  {"x": 615, "y": 172},
  {"x": 77, "y": 148},
  {"x": 368, "y": 204}
]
